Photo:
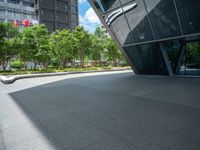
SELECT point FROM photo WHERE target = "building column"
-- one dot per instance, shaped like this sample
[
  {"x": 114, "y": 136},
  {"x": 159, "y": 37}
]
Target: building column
[
  {"x": 183, "y": 49},
  {"x": 166, "y": 59}
]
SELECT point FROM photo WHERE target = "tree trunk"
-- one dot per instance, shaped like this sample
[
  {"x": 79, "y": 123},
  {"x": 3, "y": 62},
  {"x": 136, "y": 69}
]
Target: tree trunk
[
  {"x": 82, "y": 58},
  {"x": 25, "y": 65},
  {"x": 95, "y": 63},
  {"x": 35, "y": 65},
  {"x": 61, "y": 63},
  {"x": 45, "y": 65},
  {"x": 100, "y": 59},
  {"x": 65, "y": 63},
  {"x": 114, "y": 62},
  {"x": 4, "y": 67},
  {"x": 82, "y": 63}
]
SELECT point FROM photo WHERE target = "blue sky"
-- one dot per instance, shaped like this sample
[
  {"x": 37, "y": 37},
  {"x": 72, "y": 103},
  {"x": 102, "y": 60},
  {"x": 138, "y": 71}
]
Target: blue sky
[{"x": 87, "y": 16}]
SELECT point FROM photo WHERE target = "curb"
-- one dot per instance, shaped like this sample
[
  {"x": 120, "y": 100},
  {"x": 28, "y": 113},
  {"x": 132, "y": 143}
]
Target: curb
[{"x": 12, "y": 79}]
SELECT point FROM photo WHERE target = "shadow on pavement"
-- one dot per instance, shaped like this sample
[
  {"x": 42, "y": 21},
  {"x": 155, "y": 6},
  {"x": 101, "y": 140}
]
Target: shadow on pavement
[{"x": 116, "y": 112}]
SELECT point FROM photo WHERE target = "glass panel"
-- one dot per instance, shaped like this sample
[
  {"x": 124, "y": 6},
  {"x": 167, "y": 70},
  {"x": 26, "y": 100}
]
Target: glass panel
[
  {"x": 147, "y": 59},
  {"x": 173, "y": 49},
  {"x": 120, "y": 27},
  {"x": 163, "y": 17},
  {"x": 189, "y": 15},
  {"x": 125, "y": 1},
  {"x": 191, "y": 60},
  {"x": 13, "y": 1},
  {"x": 138, "y": 21},
  {"x": 106, "y": 5}
]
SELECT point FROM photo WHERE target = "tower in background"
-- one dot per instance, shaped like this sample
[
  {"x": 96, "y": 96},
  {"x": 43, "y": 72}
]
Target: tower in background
[
  {"x": 18, "y": 11},
  {"x": 55, "y": 14}
]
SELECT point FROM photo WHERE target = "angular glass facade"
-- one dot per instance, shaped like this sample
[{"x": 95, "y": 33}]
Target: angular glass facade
[
  {"x": 159, "y": 37},
  {"x": 147, "y": 58},
  {"x": 163, "y": 18}
]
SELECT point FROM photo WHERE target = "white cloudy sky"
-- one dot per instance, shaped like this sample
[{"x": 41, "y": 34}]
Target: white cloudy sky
[{"x": 87, "y": 16}]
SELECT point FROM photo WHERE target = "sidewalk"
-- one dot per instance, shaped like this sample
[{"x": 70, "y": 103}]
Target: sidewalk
[
  {"x": 100, "y": 111},
  {"x": 11, "y": 79}
]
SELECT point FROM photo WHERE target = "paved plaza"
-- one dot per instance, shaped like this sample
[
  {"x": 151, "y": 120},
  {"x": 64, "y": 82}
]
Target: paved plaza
[{"x": 101, "y": 111}]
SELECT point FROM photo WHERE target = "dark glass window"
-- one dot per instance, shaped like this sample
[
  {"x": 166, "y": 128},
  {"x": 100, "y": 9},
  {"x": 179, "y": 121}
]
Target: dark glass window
[
  {"x": 120, "y": 27},
  {"x": 13, "y": 1},
  {"x": 29, "y": 4},
  {"x": 147, "y": 59},
  {"x": 61, "y": 6},
  {"x": 47, "y": 4},
  {"x": 73, "y": 2},
  {"x": 163, "y": 17},
  {"x": 106, "y": 5},
  {"x": 189, "y": 15},
  {"x": 2, "y": 12},
  {"x": 73, "y": 9},
  {"x": 138, "y": 21},
  {"x": 73, "y": 17}
]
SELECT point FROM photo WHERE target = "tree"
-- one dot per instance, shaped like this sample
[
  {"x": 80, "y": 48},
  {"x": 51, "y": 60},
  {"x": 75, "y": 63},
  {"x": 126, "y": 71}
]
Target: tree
[
  {"x": 2, "y": 41},
  {"x": 63, "y": 45},
  {"x": 98, "y": 45},
  {"x": 113, "y": 52},
  {"x": 35, "y": 45},
  {"x": 2, "y": 33},
  {"x": 83, "y": 43},
  {"x": 29, "y": 48},
  {"x": 44, "y": 52},
  {"x": 95, "y": 49},
  {"x": 7, "y": 33}
]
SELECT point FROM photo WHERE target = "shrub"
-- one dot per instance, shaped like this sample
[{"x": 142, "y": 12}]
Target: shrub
[{"x": 17, "y": 64}]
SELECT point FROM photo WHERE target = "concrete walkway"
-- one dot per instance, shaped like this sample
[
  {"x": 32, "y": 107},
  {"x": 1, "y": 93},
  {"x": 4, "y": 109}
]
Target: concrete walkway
[
  {"x": 12, "y": 78},
  {"x": 100, "y": 111}
]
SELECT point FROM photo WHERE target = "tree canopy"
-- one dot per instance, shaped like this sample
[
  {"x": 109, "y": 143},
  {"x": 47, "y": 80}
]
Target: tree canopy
[{"x": 60, "y": 48}]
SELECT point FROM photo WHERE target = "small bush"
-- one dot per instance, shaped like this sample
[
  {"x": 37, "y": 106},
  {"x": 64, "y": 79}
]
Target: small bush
[{"x": 17, "y": 64}]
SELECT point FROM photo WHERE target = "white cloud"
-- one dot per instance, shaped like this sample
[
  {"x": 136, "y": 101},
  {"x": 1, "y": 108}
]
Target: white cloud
[
  {"x": 91, "y": 16},
  {"x": 81, "y": 1},
  {"x": 90, "y": 20}
]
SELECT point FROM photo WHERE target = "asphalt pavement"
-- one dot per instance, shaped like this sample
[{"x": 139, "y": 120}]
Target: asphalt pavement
[{"x": 101, "y": 111}]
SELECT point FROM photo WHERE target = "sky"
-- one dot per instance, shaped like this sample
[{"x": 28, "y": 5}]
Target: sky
[{"x": 87, "y": 16}]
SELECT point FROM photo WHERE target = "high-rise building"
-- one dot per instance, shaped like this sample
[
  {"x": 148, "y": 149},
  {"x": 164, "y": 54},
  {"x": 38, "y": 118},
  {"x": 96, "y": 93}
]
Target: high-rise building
[
  {"x": 158, "y": 37},
  {"x": 55, "y": 14},
  {"x": 17, "y": 10}
]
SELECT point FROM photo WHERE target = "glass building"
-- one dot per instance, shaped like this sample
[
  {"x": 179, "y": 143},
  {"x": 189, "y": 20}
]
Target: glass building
[
  {"x": 157, "y": 37},
  {"x": 18, "y": 10},
  {"x": 55, "y": 14}
]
